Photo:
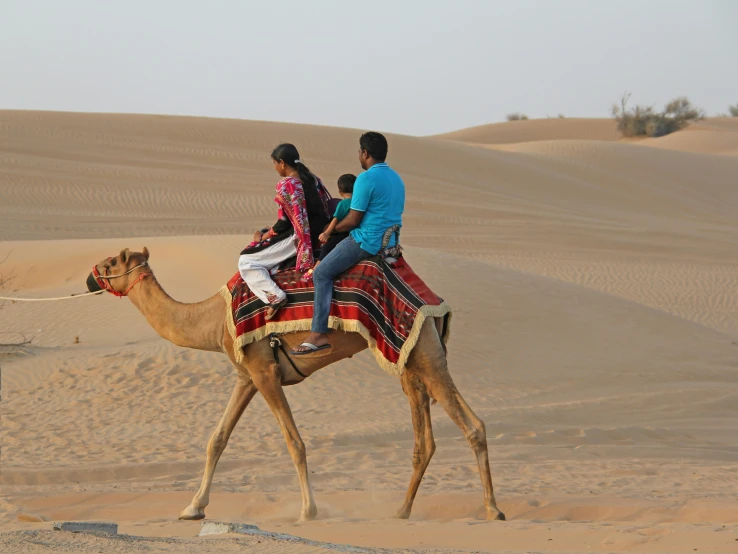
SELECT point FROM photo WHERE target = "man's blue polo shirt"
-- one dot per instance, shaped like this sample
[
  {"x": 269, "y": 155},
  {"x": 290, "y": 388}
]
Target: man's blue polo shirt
[{"x": 380, "y": 193}]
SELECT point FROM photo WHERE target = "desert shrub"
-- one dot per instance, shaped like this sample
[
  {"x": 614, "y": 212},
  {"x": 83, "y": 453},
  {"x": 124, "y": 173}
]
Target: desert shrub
[
  {"x": 516, "y": 116},
  {"x": 733, "y": 110},
  {"x": 644, "y": 121},
  {"x": 5, "y": 279},
  {"x": 10, "y": 341}
]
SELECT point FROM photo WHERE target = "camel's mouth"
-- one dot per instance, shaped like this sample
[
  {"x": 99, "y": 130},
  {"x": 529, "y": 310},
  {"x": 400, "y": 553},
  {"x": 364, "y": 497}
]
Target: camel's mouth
[
  {"x": 93, "y": 285},
  {"x": 96, "y": 282}
]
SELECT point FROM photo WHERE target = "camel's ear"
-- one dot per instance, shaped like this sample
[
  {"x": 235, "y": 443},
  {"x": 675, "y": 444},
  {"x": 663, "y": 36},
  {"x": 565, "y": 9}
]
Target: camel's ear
[
  {"x": 146, "y": 253},
  {"x": 124, "y": 254}
]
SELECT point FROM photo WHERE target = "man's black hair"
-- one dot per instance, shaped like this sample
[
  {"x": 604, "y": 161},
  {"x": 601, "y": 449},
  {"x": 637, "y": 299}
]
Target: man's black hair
[
  {"x": 375, "y": 145},
  {"x": 346, "y": 183}
]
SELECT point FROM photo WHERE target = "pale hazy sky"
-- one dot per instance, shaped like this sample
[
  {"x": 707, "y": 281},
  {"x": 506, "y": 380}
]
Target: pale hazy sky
[{"x": 407, "y": 66}]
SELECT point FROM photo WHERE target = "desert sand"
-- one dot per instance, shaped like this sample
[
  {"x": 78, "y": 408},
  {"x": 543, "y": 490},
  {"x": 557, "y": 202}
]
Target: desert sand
[{"x": 594, "y": 284}]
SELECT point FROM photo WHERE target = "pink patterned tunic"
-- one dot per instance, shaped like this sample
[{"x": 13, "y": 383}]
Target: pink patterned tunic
[
  {"x": 291, "y": 200},
  {"x": 290, "y": 197}
]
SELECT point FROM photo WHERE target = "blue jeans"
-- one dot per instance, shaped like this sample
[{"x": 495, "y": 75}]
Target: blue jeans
[{"x": 346, "y": 254}]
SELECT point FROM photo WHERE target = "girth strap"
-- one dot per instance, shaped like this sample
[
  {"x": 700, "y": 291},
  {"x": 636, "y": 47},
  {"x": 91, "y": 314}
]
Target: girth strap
[{"x": 276, "y": 345}]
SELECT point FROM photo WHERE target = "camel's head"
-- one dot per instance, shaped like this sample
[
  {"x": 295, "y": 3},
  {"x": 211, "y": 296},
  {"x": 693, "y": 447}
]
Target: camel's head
[{"x": 120, "y": 274}]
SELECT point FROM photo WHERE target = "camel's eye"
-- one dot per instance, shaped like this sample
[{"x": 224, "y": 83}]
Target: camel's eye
[{"x": 113, "y": 262}]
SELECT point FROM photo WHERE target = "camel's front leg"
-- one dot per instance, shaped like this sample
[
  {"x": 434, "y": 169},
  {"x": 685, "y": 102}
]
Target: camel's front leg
[
  {"x": 425, "y": 446},
  {"x": 242, "y": 394},
  {"x": 268, "y": 380}
]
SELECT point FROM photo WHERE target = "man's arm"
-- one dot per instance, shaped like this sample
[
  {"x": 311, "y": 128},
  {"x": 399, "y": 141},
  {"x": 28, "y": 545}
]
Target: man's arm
[{"x": 350, "y": 222}]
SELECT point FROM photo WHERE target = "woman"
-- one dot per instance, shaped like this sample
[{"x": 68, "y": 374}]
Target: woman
[{"x": 302, "y": 216}]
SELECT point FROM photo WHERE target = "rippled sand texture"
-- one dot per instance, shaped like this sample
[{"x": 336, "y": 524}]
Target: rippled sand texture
[{"x": 595, "y": 292}]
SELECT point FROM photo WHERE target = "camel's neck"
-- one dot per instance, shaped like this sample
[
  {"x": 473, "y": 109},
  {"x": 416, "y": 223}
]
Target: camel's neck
[{"x": 198, "y": 326}]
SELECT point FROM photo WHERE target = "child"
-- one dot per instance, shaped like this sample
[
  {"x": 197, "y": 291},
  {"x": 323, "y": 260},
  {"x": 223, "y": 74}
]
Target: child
[{"x": 328, "y": 239}]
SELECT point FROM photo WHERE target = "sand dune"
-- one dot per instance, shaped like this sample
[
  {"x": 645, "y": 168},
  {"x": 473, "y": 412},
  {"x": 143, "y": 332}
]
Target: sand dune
[
  {"x": 699, "y": 139},
  {"x": 595, "y": 292},
  {"x": 721, "y": 123},
  {"x": 715, "y": 135},
  {"x": 536, "y": 129}
]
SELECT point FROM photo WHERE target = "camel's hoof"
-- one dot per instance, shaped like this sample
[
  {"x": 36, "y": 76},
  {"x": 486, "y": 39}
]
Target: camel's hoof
[
  {"x": 192, "y": 514},
  {"x": 402, "y": 514},
  {"x": 498, "y": 517},
  {"x": 309, "y": 515}
]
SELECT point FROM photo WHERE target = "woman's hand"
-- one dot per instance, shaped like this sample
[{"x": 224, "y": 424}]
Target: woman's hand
[
  {"x": 258, "y": 235},
  {"x": 323, "y": 237}
]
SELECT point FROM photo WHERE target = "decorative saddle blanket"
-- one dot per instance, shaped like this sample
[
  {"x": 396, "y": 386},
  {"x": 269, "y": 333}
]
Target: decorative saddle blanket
[{"x": 386, "y": 304}]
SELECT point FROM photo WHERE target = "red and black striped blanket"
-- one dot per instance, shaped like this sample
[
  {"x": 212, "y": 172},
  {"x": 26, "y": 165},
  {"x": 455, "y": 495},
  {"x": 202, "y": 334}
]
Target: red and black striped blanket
[{"x": 386, "y": 304}]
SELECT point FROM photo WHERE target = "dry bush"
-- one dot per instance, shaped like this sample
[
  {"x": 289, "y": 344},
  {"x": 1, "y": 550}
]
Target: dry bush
[
  {"x": 644, "y": 121},
  {"x": 733, "y": 110},
  {"x": 18, "y": 340},
  {"x": 5, "y": 280},
  {"x": 516, "y": 116}
]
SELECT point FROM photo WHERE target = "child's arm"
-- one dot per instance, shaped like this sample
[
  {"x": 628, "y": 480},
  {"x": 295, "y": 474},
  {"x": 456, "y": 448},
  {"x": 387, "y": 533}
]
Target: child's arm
[{"x": 325, "y": 235}]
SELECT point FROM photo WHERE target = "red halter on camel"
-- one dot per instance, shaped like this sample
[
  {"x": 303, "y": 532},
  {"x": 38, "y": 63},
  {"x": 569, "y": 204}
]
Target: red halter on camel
[{"x": 97, "y": 282}]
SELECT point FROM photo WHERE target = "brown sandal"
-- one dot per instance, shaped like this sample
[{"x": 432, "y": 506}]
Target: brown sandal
[{"x": 275, "y": 308}]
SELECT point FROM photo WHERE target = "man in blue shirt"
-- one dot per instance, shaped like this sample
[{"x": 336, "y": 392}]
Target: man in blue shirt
[{"x": 377, "y": 205}]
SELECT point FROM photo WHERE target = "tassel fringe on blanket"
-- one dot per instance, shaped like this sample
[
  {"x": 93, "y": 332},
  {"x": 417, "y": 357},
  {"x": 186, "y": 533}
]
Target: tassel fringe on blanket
[{"x": 387, "y": 305}]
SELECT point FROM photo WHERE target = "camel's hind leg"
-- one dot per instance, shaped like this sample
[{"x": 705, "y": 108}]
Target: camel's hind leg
[
  {"x": 268, "y": 379},
  {"x": 425, "y": 446},
  {"x": 428, "y": 362},
  {"x": 242, "y": 394}
]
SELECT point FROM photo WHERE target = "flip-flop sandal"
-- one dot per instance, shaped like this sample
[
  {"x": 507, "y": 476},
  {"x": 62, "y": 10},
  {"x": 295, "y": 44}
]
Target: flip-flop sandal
[
  {"x": 312, "y": 348},
  {"x": 275, "y": 308}
]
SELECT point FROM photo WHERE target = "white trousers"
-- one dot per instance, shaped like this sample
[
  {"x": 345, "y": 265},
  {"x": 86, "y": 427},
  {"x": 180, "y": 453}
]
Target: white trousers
[{"x": 254, "y": 269}]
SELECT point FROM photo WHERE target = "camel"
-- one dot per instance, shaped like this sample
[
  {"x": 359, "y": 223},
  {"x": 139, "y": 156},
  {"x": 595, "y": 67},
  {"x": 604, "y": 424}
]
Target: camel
[{"x": 203, "y": 326}]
